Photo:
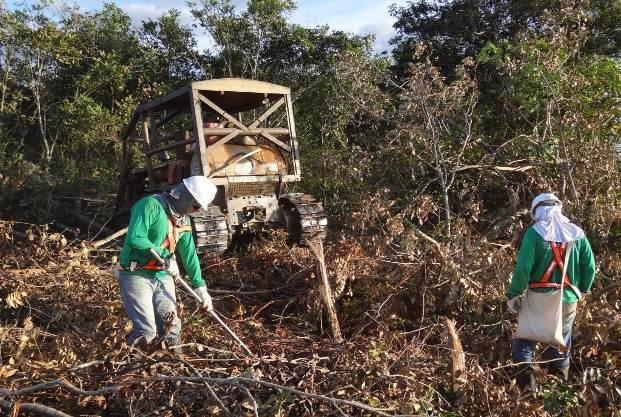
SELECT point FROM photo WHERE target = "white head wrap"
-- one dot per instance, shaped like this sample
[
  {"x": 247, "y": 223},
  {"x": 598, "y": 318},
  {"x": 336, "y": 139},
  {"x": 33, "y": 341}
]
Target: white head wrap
[{"x": 553, "y": 226}]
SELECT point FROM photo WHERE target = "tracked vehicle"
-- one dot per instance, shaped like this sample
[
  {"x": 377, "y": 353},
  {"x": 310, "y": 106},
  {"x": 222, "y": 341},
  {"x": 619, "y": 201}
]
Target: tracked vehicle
[{"x": 241, "y": 134}]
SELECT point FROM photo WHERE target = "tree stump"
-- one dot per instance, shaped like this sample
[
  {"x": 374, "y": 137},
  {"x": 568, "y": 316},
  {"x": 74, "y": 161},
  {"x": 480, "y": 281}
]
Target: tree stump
[
  {"x": 325, "y": 290},
  {"x": 459, "y": 363}
]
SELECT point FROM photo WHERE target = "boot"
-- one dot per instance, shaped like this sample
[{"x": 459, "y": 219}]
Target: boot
[
  {"x": 526, "y": 381},
  {"x": 175, "y": 346},
  {"x": 561, "y": 373},
  {"x": 141, "y": 343}
]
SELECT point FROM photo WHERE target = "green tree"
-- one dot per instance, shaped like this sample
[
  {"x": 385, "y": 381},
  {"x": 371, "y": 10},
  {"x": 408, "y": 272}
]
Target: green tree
[
  {"x": 31, "y": 44},
  {"x": 561, "y": 114},
  {"x": 243, "y": 39},
  {"x": 170, "y": 56},
  {"x": 456, "y": 29}
]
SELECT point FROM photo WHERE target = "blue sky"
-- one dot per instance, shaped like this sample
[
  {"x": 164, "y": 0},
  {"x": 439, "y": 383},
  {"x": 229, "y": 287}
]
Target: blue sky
[{"x": 355, "y": 16}]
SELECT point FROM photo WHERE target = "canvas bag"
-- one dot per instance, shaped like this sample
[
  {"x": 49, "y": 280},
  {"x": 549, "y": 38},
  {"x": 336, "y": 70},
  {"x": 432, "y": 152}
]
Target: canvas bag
[{"x": 541, "y": 316}]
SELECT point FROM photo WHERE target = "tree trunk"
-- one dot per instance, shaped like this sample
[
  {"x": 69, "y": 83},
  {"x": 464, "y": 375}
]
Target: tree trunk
[
  {"x": 326, "y": 292},
  {"x": 458, "y": 359},
  {"x": 6, "y": 78}
]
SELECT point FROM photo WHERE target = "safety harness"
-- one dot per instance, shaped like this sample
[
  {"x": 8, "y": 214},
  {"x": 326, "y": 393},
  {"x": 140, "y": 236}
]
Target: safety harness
[
  {"x": 558, "y": 250},
  {"x": 170, "y": 242}
]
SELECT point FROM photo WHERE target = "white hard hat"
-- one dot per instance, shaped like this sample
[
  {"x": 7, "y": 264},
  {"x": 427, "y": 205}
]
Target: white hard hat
[
  {"x": 541, "y": 198},
  {"x": 202, "y": 189}
]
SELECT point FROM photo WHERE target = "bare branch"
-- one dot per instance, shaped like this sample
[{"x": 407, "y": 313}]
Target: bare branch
[
  {"x": 224, "y": 381},
  {"x": 32, "y": 408}
]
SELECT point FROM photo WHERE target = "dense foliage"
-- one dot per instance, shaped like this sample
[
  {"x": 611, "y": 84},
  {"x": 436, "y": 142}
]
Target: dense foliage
[
  {"x": 532, "y": 84},
  {"x": 488, "y": 103}
]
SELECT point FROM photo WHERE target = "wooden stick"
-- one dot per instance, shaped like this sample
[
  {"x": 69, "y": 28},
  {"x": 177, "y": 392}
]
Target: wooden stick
[
  {"x": 59, "y": 383},
  {"x": 457, "y": 355},
  {"x": 113, "y": 236},
  {"x": 190, "y": 290},
  {"x": 326, "y": 292},
  {"x": 427, "y": 238},
  {"x": 32, "y": 408},
  {"x": 224, "y": 381},
  {"x": 209, "y": 389}
]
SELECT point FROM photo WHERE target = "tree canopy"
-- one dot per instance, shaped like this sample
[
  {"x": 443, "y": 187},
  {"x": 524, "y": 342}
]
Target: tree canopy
[{"x": 524, "y": 86}]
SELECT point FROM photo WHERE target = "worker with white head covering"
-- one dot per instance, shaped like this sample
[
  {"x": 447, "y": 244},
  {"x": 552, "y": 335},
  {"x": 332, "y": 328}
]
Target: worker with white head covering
[
  {"x": 161, "y": 223},
  {"x": 537, "y": 269}
]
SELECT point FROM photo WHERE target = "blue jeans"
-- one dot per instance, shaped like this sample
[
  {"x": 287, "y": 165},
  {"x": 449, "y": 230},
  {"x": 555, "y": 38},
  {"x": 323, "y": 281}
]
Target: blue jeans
[
  {"x": 524, "y": 350},
  {"x": 147, "y": 302}
]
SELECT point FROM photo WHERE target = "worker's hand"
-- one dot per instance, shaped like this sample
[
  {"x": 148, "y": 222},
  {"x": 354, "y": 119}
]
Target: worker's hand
[
  {"x": 205, "y": 297},
  {"x": 172, "y": 267},
  {"x": 515, "y": 304}
]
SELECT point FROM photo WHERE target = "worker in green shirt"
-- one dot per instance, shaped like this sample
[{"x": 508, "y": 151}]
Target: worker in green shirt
[
  {"x": 537, "y": 269},
  {"x": 161, "y": 223}
]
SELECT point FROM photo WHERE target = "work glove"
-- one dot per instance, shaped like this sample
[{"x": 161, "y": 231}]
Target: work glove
[
  {"x": 172, "y": 267},
  {"x": 116, "y": 271},
  {"x": 515, "y": 304},
  {"x": 205, "y": 297}
]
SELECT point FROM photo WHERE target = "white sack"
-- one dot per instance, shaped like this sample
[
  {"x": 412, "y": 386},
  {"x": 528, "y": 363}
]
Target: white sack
[{"x": 541, "y": 316}]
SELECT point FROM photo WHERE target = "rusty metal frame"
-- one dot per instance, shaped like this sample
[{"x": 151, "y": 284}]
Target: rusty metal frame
[{"x": 144, "y": 117}]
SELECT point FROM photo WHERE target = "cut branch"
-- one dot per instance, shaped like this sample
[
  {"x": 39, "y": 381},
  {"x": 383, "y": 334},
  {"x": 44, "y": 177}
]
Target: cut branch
[
  {"x": 457, "y": 356},
  {"x": 31, "y": 408},
  {"x": 222, "y": 381},
  {"x": 326, "y": 292},
  {"x": 113, "y": 236}
]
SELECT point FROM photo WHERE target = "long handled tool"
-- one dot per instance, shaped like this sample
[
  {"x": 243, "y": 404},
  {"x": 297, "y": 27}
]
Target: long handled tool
[{"x": 189, "y": 289}]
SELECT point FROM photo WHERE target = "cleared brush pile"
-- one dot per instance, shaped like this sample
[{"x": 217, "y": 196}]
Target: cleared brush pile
[{"x": 398, "y": 291}]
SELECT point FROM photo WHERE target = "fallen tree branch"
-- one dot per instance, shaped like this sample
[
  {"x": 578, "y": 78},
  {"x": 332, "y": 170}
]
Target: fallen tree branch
[
  {"x": 239, "y": 292},
  {"x": 457, "y": 356},
  {"x": 113, "y": 236},
  {"x": 326, "y": 291},
  {"x": 209, "y": 388},
  {"x": 239, "y": 379},
  {"x": 31, "y": 408},
  {"x": 59, "y": 383},
  {"x": 522, "y": 168},
  {"x": 427, "y": 238},
  {"x": 255, "y": 407},
  {"x": 224, "y": 381}
]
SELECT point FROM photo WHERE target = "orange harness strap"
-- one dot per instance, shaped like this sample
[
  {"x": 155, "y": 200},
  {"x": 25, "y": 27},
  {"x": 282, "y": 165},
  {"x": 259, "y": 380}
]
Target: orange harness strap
[
  {"x": 170, "y": 241},
  {"x": 557, "y": 262}
]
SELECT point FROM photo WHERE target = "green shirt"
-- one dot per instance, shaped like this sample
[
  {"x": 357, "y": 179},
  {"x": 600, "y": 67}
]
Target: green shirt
[
  {"x": 148, "y": 227},
  {"x": 534, "y": 257}
]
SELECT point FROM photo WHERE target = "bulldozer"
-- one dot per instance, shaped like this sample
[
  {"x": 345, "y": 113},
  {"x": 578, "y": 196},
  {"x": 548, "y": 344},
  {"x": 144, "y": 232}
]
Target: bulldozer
[{"x": 241, "y": 134}]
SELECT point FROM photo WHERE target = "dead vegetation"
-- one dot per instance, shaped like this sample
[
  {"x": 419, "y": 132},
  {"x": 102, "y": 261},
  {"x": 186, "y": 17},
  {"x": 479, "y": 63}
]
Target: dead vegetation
[{"x": 399, "y": 296}]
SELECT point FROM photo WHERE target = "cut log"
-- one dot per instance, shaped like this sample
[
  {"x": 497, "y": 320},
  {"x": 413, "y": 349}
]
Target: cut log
[
  {"x": 459, "y": 361},
  {"x": 326, "y": 292}
]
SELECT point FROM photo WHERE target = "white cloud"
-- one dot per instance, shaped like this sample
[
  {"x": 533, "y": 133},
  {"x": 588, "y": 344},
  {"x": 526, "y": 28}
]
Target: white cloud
[
  {"x": 360, "y": 17},
  {"x": 140, "y": 12},
  {"x": 143, "y": 11},
  {"x": 383, "y": 32}
]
